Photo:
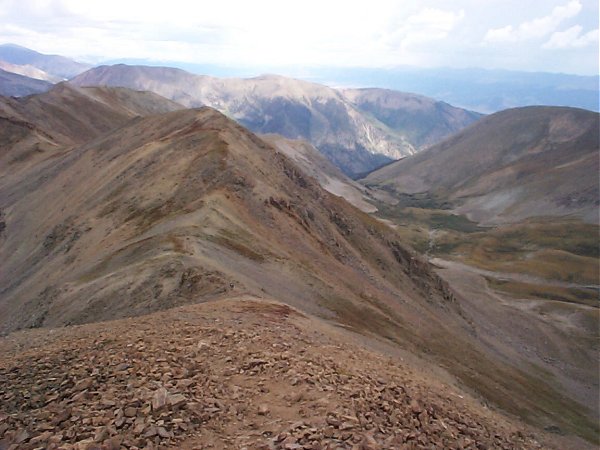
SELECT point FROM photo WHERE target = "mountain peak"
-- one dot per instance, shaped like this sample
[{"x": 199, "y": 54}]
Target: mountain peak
[
  {"x": 16, "y": 46},
  {"x": 55, "y": 65}
]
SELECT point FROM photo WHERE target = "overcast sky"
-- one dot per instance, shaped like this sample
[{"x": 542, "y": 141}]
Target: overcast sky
[{"x": 532, "y": 35}]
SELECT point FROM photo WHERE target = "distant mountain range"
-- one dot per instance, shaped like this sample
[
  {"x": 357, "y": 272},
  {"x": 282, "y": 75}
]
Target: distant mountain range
[
  {"x": 515, "y": 164},
  {"x": 476, "y": 89},
  {"x": 355, "y": 139},
  {"x": 359, "y": 130},
  {"x": 53, "y": 65},
  {"x": 482, "y": 90}
]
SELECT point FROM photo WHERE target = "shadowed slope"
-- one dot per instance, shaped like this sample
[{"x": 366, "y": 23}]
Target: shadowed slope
[
  {"x": 17, "y": 85},
  {"x": 315, "y": 165}
]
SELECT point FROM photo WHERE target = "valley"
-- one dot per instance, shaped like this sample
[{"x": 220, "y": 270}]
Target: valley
[{"x": 531, "y": 283}]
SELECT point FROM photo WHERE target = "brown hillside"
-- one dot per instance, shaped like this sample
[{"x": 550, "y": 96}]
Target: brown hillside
[
  {"x": 315, "y": 165},
  {"x": 76, "y": 115},
  {"x": 41, "y": 127},
  {"x": 180, "y": 198},
  {"x": 518, "y": 163}
]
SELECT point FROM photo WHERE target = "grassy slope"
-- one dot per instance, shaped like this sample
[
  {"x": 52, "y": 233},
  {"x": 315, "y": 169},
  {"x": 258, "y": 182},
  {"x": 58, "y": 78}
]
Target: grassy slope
[{"x": 564, "y": 250}]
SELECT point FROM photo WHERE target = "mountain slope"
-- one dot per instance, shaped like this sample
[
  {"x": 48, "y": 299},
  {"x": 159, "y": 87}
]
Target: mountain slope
[
  {"x": 270, "y": 104},
  {"x": 16, "y": 85},
  {"x": 187, "y": 207},
  {"x": 55, "y": 65},
  {"x": 41, "y": 127},
  {"x": 315, "y": 165},
  {"x": 355, "y": 141},
  {"x": 519, "y": 163},
  {"x": 147, "y": 186},
  {"x": 422, "y": 120},
  {"x": 75, "y": 115},
  {"x": 28, "y": 71}
]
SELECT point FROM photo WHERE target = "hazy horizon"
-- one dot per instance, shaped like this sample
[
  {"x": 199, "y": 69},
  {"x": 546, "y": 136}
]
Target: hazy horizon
[{"x": 556, "y": 36}]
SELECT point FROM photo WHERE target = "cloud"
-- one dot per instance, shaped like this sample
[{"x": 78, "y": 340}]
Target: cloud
[
  {"x": 427, "y": 25},
  {"x": 536, "y": 28},
  {"x": 269, "y": 33},
  {"x": 572, "y": 38}
]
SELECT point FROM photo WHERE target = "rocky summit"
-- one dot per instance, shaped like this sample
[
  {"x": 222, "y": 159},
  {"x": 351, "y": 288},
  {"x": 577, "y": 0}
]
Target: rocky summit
[{"x": 244, "y": 373}]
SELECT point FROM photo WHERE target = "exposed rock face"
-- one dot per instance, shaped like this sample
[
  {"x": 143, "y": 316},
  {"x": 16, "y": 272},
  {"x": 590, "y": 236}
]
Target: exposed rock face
[
  {"x": 422, "y": 120},
  {"x": 234, "y": 374}
]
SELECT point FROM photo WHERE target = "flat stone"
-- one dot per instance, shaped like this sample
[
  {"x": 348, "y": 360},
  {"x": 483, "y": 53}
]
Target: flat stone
[
  {"x": 163, "y": 433},
  {"x": 176, "y": 400},
  {"x": 159, "y": 400},
  {"x": 84, "y": 384},
  {"x": 21, "y": 436}
]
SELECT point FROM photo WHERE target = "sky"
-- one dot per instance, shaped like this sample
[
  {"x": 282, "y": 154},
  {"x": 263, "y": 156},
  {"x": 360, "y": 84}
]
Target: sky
[{"x": 531, "y": 35}]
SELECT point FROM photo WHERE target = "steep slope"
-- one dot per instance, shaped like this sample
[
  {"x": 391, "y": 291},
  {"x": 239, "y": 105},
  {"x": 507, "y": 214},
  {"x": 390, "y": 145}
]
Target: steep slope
[
  {"x": 315, "y": 165},
  {"x": 194, "y": 187},
  {"x": 39, "y": 127},
  {"x": 421, "y": 119},
  {"x": 76, "y": 115},
  {"x": 519, "y": 163},
  {"x": 241, "y": 373},
  {"x": 353, "y": 140},
  {"x": 16, "y": 85},
  {"x": 530, "y": 277},
  {"x": 55, "y": 65}
]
